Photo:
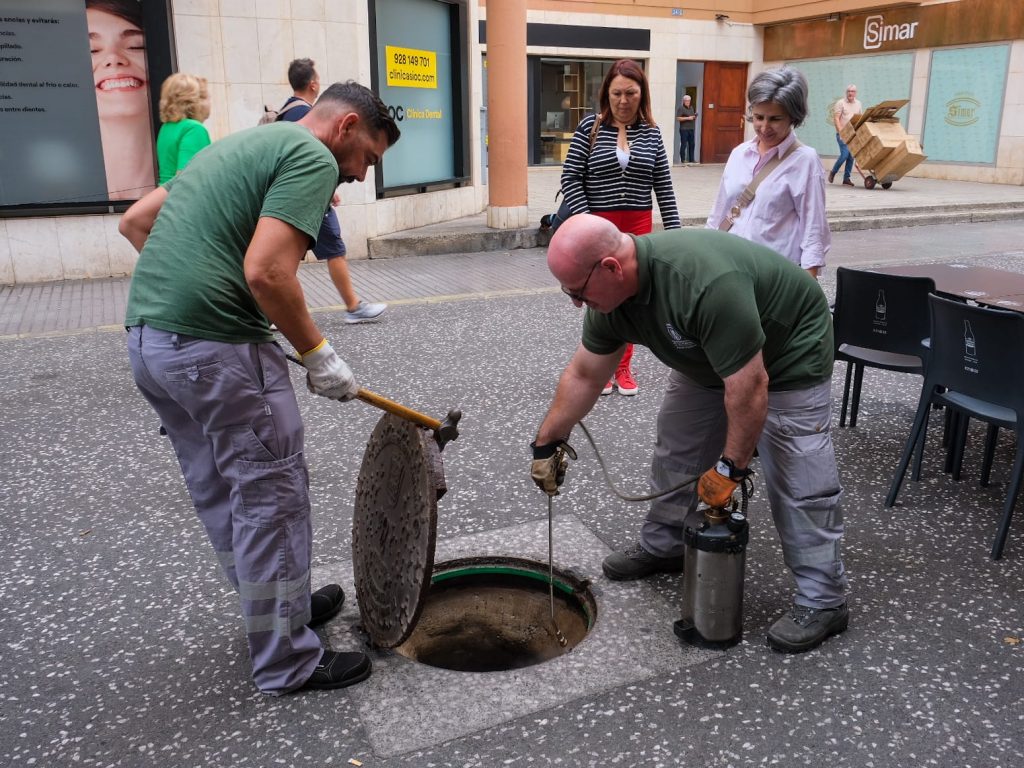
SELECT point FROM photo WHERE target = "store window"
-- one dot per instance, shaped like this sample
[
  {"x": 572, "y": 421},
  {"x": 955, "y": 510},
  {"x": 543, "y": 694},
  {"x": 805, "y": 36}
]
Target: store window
[{"x": 567, "y": 91}]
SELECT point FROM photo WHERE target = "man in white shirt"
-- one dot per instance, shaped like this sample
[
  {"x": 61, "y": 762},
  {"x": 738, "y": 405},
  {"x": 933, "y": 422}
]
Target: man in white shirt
[{"x": 843, "y": 112}]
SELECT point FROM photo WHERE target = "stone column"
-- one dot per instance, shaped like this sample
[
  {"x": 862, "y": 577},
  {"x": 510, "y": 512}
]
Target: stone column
[{"x": 506, "y": 114}]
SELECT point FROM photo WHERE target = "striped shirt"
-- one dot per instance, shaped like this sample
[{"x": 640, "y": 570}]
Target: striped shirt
[{"x": 593, "y": 179}]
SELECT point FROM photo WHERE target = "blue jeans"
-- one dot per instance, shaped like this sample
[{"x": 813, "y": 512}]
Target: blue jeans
[{"x": 844, "y": 156}]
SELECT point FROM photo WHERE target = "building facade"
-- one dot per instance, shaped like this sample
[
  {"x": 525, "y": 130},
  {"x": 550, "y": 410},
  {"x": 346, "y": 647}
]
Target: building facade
[{"x": 428, "y": 59}]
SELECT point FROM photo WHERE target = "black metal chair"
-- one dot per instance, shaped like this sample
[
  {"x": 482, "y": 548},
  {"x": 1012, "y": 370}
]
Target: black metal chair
[
  {"x": 975, "y": 366},
  {"x": 879, "y": 321}
]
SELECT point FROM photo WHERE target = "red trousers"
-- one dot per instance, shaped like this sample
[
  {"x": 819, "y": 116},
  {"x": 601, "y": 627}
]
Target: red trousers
[{"x": 632, "y": 223}]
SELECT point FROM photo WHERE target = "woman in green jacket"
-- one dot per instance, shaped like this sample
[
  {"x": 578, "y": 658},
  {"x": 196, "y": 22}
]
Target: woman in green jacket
[{"x": 184, "y": 104}]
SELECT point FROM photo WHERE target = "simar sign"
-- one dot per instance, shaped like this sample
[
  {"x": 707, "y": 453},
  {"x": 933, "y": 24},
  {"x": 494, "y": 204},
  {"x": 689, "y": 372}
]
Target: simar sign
[
  {"x": 962, "y": 110},
  {"x": 877, "y": 32},
  {"x": 900, "y": 28}
]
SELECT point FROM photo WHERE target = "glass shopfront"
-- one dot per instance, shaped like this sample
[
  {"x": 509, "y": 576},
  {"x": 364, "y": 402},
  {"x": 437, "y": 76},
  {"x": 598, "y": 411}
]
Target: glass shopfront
[{"x": 564, "y": 92}]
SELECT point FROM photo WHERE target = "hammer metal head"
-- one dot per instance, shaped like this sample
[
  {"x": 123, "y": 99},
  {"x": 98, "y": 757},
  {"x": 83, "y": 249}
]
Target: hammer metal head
[{"x": 449, "y": 429}]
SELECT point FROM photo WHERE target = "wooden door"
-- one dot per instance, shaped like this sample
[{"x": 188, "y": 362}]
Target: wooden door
[{"x": 723, "y": 110}]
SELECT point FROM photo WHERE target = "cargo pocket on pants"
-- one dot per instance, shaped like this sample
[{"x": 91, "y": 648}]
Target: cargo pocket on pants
[{"x": 273, "y": 492}]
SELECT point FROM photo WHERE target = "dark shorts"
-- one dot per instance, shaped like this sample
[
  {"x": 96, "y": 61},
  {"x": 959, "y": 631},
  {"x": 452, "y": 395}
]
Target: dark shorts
[{"x": 328, "y": 240}]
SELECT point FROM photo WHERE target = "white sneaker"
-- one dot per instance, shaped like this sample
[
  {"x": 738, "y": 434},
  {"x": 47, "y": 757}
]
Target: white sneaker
[{"x": 364, "y": 312}]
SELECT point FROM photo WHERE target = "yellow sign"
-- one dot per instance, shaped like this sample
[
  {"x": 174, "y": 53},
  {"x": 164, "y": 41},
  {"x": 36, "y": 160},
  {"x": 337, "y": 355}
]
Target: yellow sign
[{"x": 409, "y": 68}]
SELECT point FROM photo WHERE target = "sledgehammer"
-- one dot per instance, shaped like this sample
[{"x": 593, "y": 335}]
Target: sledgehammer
[{"x": 443, "y": 430}]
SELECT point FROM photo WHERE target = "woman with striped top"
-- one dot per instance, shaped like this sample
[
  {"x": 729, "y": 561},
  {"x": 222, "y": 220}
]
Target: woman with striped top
[{"x": 615, "y": 160}]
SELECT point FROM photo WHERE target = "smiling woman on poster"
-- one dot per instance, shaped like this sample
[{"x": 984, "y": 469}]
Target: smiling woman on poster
[{"x": 118, "y": 49}]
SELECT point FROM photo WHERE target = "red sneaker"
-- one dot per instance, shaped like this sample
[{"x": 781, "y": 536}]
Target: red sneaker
[
  {"x": 625, "y": 382},
  {"x": 608, "y": 388}
]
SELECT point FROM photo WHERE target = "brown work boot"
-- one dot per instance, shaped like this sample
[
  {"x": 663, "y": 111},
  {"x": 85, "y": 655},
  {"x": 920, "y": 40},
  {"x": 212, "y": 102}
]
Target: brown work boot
[
  {"x": 848, "y": 183},
  {"x": 831, "y": 176}
]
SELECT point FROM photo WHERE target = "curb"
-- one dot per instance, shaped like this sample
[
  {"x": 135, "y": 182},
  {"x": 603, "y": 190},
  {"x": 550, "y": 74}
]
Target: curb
[{"x": 483, "y": 239}]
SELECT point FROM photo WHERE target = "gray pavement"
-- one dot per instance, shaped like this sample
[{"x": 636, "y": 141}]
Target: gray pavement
[{"x": 120, "y": 644}]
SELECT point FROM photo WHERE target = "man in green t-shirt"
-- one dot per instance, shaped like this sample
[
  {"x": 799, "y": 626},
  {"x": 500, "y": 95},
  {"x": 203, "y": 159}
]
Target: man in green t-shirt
[
  {"x": 748, "y": 336},
  {"x": 219, "y": 249}
]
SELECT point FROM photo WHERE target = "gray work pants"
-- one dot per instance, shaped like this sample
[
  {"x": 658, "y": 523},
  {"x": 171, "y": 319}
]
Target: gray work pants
[
  {"x": 233, "y": 421},
  {"x": 798, "y": 471}
]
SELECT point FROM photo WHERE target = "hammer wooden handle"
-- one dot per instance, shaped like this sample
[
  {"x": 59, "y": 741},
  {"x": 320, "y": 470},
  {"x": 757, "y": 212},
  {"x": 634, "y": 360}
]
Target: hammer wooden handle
[{"x": 398, "y": 409}]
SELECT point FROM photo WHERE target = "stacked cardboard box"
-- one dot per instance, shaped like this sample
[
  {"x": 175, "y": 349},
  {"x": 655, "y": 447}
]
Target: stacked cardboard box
[
  {"x": 874, "y": 141},
  {"x": 899, "y": 161},
  {"x": 879, "y": 144}
]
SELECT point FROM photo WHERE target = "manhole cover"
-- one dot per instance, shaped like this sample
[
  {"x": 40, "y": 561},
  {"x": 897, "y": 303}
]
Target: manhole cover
[{"x": 394, "y": 527}]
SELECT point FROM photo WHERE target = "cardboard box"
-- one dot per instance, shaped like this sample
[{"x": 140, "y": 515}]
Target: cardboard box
[
  {"x": 883, "y": 130},
  {"x": 873, "y": 150},
  {"x": 869, "y": 158},
  {"x": 847, "y": 134},
  {"x": 859, "y": 141},
  {"x": 899, "y": 161}
]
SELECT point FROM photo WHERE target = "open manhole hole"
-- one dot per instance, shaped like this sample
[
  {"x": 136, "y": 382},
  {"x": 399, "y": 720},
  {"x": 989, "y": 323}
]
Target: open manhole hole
[
  {"x": 494, "y": 614},
  {"x": 479, "y": 614}
]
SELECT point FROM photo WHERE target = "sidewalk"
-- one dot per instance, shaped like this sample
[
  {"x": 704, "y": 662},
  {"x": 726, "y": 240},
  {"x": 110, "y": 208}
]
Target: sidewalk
[
  {"x": 76, "y": 305},
  {"x": 910, "y": 202}
]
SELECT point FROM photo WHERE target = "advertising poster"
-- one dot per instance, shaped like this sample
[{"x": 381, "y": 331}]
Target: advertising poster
[
  {"x": 414, "y": 62},
  {"x": 965, "y": 101},
  {"x": 74, "y": 102},
  {"x": 878, "y": 78}
]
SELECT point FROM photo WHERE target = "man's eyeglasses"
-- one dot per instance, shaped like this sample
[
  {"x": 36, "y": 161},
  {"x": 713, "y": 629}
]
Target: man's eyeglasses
[{"x": 578, "y": 295}]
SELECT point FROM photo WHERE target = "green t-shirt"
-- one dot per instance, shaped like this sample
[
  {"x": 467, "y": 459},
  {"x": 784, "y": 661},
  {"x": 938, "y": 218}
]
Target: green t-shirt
[
  {"x": 189, "y": 278},
  {"x": 706, "y": 303},
  {"x": 177, "y": 143}
]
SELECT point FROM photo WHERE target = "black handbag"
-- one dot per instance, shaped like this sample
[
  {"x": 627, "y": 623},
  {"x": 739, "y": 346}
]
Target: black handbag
[{"x": 550, "y": 222}]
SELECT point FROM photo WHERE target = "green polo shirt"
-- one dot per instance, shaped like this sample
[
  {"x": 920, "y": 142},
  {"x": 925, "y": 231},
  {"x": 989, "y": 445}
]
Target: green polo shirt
[
  {"x": 707, "y": 301},
  {"x": 190, "y": 277}
]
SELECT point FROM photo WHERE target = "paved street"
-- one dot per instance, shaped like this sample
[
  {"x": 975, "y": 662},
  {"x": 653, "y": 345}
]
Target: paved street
[{"x": 121, "y": 645}]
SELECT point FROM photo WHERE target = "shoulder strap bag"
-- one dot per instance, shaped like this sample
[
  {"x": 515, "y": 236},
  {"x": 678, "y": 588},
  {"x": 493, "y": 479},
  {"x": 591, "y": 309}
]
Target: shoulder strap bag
[{"x": 748, "y": 194}]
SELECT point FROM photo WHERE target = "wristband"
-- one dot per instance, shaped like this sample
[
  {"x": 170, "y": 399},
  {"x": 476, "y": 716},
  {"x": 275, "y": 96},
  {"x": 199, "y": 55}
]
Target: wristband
[
  {"x": 317, "y": 348},
  {"x": 726, "y": 468}
]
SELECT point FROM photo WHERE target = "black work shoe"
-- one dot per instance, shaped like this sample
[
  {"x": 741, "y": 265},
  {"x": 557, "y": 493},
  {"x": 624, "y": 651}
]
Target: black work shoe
[
  {"x": 803, "y": 628},
  {"x": 324, "y": 604},
  {"x": 338, "y": 669},
  {"x": 636, "y": 563}
]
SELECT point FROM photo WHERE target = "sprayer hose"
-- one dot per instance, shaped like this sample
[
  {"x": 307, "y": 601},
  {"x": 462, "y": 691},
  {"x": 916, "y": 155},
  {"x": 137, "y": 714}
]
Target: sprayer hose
[{"x": 620, "y": 494}]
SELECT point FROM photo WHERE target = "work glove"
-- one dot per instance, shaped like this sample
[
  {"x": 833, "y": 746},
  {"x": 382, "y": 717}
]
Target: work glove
[
  {"x": 327, "y": 374},
  {"x": 716, "y": 486},
  {"x": 549, "y": 465}
]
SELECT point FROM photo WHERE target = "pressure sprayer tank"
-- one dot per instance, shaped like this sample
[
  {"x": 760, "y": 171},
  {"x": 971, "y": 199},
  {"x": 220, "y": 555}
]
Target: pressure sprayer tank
[{"x": 716, "y": 555}]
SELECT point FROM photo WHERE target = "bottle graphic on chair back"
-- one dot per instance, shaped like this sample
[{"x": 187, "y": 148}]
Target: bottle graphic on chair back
[
  {"x": 970, "y": 348},
  {"x": 880, "y": 306}
]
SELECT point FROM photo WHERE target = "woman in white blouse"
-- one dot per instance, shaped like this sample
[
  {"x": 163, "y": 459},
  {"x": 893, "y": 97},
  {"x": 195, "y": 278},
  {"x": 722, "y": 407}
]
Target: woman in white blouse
[{"x": 787, "y": 213}]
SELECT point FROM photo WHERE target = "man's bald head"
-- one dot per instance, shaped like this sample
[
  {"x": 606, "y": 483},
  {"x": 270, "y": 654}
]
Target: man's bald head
[
  {"x": 585, "y": 245},
  {"x": 580, "y": 242}
]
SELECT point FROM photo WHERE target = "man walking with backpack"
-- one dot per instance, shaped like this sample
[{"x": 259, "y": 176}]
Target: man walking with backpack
[{"x": 329, "y": 247}]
